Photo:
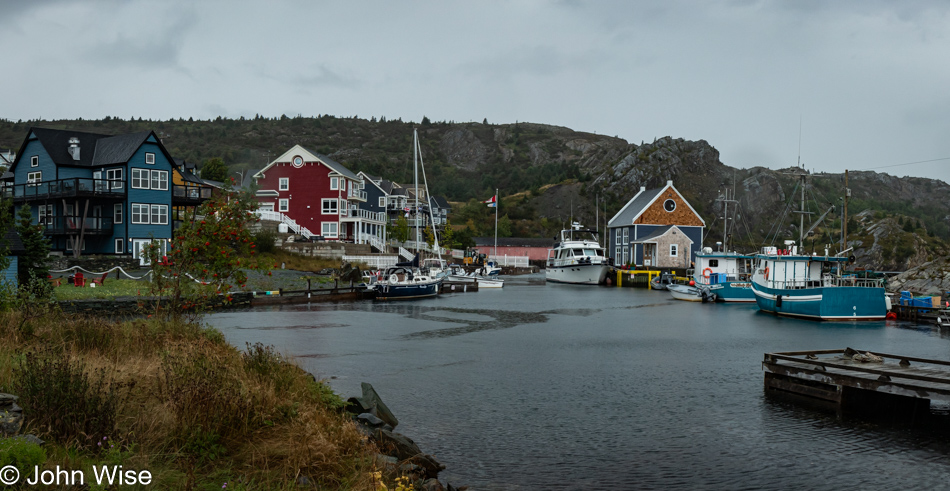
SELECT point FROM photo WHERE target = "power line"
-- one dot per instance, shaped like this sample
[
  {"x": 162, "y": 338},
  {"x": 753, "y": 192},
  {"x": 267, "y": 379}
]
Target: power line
[{"x": 907, "y": 163}]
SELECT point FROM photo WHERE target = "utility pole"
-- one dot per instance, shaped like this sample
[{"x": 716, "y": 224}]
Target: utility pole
[{"x": 844, "y": 217}]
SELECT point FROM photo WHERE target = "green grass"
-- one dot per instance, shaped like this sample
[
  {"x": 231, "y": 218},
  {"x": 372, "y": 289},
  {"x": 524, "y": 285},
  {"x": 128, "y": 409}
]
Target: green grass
[{"x": 108, "y": 290}]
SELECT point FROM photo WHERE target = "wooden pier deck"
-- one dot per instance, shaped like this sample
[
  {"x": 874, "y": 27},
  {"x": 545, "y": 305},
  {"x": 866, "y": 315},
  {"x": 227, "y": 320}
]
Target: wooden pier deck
[{"x": 835, "y": 377}]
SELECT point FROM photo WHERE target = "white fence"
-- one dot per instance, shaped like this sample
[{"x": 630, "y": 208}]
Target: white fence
[
  {"x": 378, "y": 262},
  {"x": 513, "y": 261}
]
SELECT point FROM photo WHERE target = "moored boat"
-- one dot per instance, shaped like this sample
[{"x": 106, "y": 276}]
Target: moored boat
[
  {"x": 403, "y": 282},
  {"x": 691, "y": 293},
  {"x": 809, "y": 286},
  {"x": 578, "y": 258},
  {"x": 727, "y": 274}
]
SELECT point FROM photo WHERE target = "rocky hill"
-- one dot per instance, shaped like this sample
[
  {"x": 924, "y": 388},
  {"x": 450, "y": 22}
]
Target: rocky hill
[{"x": 548, "y": 175}]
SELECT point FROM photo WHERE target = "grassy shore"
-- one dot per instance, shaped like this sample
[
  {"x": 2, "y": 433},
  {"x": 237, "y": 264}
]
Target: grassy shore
[{"x": 177, "y": 400}]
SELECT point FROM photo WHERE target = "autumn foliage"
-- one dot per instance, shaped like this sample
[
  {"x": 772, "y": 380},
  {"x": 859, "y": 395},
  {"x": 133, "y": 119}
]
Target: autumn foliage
[{"x": 208, "y": 256}]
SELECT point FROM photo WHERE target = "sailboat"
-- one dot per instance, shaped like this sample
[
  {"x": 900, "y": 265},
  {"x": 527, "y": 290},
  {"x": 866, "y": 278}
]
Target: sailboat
[
  {"x": 727, "y": 274},
  {"x": 407, "y": 280}
]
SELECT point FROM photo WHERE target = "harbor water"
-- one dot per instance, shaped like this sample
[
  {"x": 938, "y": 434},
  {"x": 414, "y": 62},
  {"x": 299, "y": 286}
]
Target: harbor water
[{"x": 553, "y": 386}]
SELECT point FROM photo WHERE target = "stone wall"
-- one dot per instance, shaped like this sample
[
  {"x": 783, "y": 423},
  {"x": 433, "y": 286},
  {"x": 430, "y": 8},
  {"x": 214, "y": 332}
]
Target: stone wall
[{"x": 93, "y": 262}]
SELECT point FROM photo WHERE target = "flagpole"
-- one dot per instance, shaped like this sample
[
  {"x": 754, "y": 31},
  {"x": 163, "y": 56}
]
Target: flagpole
[{"x": 495, "y": 252}]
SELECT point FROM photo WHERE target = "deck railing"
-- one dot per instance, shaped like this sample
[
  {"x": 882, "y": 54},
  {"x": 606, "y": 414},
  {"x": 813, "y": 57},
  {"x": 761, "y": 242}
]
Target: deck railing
[
  {"x": 378, "y": 262},
  {"x": 291, "y": 223},
  {"x": 65, "y": 188},
  {"x": 513, "y": 261}
]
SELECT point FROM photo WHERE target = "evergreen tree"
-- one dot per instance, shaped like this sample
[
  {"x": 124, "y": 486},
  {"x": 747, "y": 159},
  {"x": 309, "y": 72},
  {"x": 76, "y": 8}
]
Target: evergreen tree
[
  {"x": 34, "y": 262},
  {"x": 909, "y": 226},
  {"x": 400, "y": 231},
  {"x": 214, "y": 169}
]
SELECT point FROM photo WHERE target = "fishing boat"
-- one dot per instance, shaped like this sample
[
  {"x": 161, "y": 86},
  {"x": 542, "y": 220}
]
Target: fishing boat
[
  {"x": 578, "y": 258},
  {"x": 805, "y": 285},
  {"x": 727, "y": 274},
  {"x": 813, "y": 286},
  {"x": 663, "y": 280}
]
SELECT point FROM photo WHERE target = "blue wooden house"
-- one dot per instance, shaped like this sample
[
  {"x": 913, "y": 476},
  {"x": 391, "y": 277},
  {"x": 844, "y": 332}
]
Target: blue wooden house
[
  {"x": 657, "y": 228},
  {"x": 9, "y": 275},
  {"x": 98, "y": 194}
]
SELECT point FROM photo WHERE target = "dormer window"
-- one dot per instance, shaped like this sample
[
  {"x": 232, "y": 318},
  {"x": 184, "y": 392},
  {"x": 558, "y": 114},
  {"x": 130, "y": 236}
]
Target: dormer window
[
  {"x": 150, "y": 158},
  {"x": 334, "y": 183}
]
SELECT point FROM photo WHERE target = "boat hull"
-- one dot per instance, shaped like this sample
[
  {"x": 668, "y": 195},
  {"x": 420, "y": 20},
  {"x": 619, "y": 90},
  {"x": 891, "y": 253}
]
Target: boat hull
[
  {"x": 578, "y": 274},
  {"x": 824, "y": 303},
  {"x": 687, "y": 293},
  {"x": 733, "y": 291},
  {"x": 406, "y": 292}
]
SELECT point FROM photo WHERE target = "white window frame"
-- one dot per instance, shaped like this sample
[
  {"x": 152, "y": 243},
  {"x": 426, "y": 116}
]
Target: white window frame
[
  {"x": 44, "y": 214},
  {"x": 617, "y": 255},
  {"x": 120, "y": 246},
  {"x": 674, "y": 250},
  {"x": 114, "y": 175},
  {"x": 159, "y": 180},
  {"x": 325, "y": 228},
  {"x": 267, "y": 206},
  {"x": 334, "y": 183},
  {"x": 34, "y": 177},
  {"x": 283, "y": 184},
  {"x": 35, "y": 161},
  {"x": 343, "y": 208},
  {"x": 140, "y": 209},
  {"x": 117, "y": 213},
  {"x": 138, "y": 180},
  {"x": 325, "y": 208},
  {"x": 158, "y": 214},
  {"x": 626, "y": 255},
  {"x": 382, "y": 201},
  {"x": 626, "y": 236},
  {"x": 149, "y": 156},
  {"x": 283, "y": 205}
]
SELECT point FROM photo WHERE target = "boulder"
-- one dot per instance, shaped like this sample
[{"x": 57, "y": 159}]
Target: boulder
[
  {"x": 7, "y": 400},
  {"x": 395, "y": 444},
  {"x": 10, "y": 422},
  {"x": 373, "y": 404},
  {"x": 370, "y": 419},
  {"x": 432, "y": 485},
  {"x": 427, "y": 463}
]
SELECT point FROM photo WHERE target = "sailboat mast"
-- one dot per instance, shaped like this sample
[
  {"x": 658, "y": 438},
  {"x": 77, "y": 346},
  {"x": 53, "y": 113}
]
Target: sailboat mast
[
  {"x": 415, "y": 167},
  {"x": 801, "y": 227}
]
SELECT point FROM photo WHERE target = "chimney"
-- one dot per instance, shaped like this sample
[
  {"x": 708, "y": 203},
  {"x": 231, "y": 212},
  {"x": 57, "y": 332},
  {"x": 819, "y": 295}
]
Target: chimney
[{"x": 74, "y": 148}]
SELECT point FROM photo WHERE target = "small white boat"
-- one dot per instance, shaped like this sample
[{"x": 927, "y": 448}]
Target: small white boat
[
  {"x": 458, "y": 275},
  {"x": 691, "y": 293}
]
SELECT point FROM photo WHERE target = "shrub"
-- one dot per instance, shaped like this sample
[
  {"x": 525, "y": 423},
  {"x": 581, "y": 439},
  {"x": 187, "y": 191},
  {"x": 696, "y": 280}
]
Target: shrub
[
  {"x": 265, "y": 241},
  {"x": 21, "y": 454},
  {"x": 66, "y": 403}
]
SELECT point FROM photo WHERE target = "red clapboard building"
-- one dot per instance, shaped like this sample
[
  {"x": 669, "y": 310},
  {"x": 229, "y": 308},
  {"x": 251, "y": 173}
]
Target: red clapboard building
[{"x": 319, "y": 194}]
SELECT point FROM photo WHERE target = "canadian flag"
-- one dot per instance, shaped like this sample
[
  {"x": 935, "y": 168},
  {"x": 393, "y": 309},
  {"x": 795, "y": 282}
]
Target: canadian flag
[{"x": 491, "y": 200}]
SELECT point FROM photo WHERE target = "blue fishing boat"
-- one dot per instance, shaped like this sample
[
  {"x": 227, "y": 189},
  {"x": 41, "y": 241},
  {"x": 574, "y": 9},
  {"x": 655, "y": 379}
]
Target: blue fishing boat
[
  {"x": 727, "y": 274},
  {"x": 813, "y": 287}
]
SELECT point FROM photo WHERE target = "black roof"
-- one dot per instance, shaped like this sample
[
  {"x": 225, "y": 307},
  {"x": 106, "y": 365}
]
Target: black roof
[
  {"x": 13, "y": 239},
  {"x": 440, "y": 202},
  {"x": 94, "y": 149}
]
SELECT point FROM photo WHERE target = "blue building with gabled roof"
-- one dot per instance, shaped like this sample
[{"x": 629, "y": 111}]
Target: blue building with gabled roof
[{"x": 98, "y": 194}]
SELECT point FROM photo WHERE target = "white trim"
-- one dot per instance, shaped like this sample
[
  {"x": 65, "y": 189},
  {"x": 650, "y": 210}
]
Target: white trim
[
  {"x": 267, "y": 193},
  {"x": 35, "y": 161},
  {"x": 324, "y": 209},
  {"x": 133, "y": 179},
  {"x": 283, "y": 184},
  {"x": 117, "y": 214},
  {"x": 120, "y": 245},
  {"x": 327, "y": 235},
  {"x": 674, "y": 250},
  {"x": 266, "y": 206},
  {"x": 147, "y": 155},
  {"x": 335, "y": 183},
  {"x": 147, "y": 213},
  {"x": 283, "y": 205},
  {"x": 162, "y": 215},
  {"x": 669, "y": 185}
]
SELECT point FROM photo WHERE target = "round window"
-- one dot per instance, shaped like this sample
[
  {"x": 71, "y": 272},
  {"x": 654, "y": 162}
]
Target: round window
[
  {"x": 298, "y": 161},
  {"x": 669, "y": 205}
]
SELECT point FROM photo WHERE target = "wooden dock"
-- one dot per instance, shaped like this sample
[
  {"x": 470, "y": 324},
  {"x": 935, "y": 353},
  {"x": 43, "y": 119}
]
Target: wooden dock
[{"x": 842, "y": 381}]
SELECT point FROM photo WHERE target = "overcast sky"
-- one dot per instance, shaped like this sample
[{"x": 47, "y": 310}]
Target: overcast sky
[{"x": 867, "y": 82}]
